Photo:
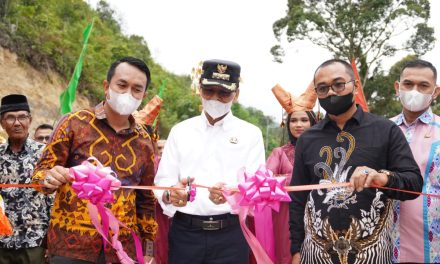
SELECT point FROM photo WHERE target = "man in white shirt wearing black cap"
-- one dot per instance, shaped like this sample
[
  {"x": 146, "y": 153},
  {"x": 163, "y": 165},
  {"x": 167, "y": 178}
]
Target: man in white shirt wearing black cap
[{"x": 210, "y": 149}]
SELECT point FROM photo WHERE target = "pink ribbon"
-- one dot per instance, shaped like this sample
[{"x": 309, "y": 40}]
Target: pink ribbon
[
  {"x": 260, "y": 193},
  {"x": 96, "y": 183}
]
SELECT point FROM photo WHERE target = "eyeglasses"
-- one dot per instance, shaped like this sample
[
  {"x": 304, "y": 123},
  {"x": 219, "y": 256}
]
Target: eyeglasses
[
  {"x": 222, "y": 94},
  {"x": 11, "y": 119},
  {"x": 337, "y": 87},
  {"x": 43, "y": 138}
]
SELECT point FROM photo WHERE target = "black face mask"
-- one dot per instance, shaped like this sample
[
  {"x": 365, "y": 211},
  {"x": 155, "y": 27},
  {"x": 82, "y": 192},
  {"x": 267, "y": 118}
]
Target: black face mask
[{"x": 336, "y": 105}]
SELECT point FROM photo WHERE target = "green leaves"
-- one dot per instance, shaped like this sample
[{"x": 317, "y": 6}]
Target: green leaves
[
  {"x": 48, "y": 34},
  {"x": 367, "y": 30}
]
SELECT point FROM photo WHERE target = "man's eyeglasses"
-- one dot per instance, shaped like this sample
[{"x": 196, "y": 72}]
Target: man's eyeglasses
[
  {"x": 337, "y": 87},
  {"x": 43, "y": 138},
  {"x": 222, "y": 94},
  {"x": 11, "y": 119}
]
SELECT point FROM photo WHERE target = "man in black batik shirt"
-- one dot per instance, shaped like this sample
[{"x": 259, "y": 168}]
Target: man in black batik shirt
[
  {"x": 27, "y": 209},
  {"x": 348, "y": 225}
]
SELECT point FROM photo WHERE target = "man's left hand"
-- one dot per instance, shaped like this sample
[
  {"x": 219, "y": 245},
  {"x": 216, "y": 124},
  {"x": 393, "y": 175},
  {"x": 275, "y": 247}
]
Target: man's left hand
[
  {"x": 365, "y": 177},
  {"x": 216, "y": 193}
]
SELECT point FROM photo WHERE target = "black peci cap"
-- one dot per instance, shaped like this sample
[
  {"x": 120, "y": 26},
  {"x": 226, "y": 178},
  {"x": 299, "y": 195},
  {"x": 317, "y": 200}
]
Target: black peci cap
[
  {"x": 221, "y": 72},
  {"x": 14, "y": 102}
]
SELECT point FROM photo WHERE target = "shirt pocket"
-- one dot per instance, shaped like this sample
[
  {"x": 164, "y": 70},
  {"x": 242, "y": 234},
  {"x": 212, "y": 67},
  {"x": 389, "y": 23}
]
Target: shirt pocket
[{"x": 370, "y": 156}]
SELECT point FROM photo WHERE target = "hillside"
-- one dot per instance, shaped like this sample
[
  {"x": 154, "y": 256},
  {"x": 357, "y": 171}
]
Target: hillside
[
  {"x": 41, "y": 42},
  {"x": 41, "y": 88}
]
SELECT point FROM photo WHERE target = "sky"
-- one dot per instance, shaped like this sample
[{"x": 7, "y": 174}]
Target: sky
[{"x": 180, "y": 34}]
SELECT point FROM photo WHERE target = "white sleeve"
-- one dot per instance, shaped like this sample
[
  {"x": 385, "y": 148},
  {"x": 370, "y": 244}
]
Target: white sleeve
[
  {"x": 168, "y": 172},
  {"x": 256, "y": 156}
]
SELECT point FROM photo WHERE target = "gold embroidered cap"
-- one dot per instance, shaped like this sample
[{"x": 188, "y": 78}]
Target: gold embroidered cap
[
  {"x": 290, "y": 103},
  {"x": 221, "y": 72}
]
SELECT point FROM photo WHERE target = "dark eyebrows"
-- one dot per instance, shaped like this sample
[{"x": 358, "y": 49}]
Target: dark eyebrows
[
  {"x": 122, "y": 81},
  {"x": 18, "y": 115},
  {"x": 333, "y": 81}
]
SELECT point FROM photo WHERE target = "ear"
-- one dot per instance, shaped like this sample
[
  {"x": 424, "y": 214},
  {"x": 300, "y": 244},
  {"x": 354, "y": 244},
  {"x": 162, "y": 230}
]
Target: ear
[
  {"x": 396, "y": 87},
  {"x": 237, "y": 93},
  {"x": 357, "y": 86},
  {"x": 106, "y": 85},
  {"x": 436, "y": 92}
]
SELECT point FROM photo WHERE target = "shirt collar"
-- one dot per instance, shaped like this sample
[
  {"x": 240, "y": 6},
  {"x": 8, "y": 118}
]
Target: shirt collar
[
  {"x": 356, "y": 117},
  {"x": 26, "y": 148},
  {"x": 225, "y": 122},
  {"x": 100, "y": 114},
  {"x": 425, "y": 118}
]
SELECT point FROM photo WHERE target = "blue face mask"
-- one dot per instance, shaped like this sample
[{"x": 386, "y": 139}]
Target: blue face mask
[{"x": 336, "y": 105}]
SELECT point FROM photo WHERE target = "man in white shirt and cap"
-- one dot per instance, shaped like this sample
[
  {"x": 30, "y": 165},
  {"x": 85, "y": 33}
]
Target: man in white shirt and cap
[{"x": 210, "y": 149}]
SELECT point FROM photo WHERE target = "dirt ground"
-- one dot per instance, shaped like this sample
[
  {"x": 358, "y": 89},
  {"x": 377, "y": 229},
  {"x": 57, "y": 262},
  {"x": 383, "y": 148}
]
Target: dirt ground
[{"x": 41, "y": 88}]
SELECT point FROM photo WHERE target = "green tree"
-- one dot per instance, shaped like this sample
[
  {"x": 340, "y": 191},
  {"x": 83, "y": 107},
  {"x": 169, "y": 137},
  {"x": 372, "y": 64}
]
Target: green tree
[
  {"x": 363, "y": 29},
  {"x": 48, "y": 35},
  {"x": 4, "y": 8}
]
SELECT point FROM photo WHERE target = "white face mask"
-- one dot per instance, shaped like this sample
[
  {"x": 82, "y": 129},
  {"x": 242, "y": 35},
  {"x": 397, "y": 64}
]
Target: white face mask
[
  {"x": 124, "y": 103},
  {"x": 415, "y": 101},
  {"x": 215, "y": 108}
]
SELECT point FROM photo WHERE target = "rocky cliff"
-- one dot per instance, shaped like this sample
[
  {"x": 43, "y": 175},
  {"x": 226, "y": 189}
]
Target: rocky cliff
[{"x": 41, "y": 88}]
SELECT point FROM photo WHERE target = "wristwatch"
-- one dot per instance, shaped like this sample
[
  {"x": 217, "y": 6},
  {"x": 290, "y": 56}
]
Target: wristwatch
[{"x": 387, "y": 173}]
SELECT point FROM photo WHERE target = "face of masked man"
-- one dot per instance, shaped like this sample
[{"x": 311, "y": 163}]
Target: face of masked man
[
  {"x": 335, "y": 88},
  {"x": 217, "y": 100},
  {"x": 416, "y": 89},
  {"x": 126, "y": 89}
]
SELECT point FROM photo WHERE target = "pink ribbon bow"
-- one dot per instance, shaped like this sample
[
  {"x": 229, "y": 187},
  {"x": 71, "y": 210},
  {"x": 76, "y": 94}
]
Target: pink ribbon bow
[
  {"x": 260, "y": 193},
  {"x": 263, "y": 190},
  {"x": 96, "y": 183}
]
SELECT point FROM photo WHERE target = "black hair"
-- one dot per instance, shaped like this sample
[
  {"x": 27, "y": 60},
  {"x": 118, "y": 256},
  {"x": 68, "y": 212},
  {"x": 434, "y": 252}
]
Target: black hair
[
  {"x": 347, "y": 66},
  {"x": 44, "y": 126},
  {"x": 419, "y": 64},
  {"x": 312, "y": 120},
  {"x": 138, "y": 63}
]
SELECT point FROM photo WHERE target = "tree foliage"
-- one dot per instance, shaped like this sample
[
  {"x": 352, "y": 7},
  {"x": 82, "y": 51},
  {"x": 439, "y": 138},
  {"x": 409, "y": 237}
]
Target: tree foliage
[
  {"x": 48, "y": 35},
  {"x": 367, "y": 30}
]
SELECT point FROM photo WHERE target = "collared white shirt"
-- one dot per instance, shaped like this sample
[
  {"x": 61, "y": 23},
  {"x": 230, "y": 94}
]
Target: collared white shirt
[{"x": 210, "y": 154}]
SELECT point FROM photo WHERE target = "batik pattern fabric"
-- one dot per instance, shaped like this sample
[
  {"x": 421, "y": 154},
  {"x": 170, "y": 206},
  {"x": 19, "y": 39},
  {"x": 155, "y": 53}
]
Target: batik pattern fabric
[
  {"x": 364, "y": 239},
  {"x": 129, "y": 153},
  {"x": 27, "y": 209},
  {"x": 338, "y": 225},
  {"x": 416, "y": 223}
]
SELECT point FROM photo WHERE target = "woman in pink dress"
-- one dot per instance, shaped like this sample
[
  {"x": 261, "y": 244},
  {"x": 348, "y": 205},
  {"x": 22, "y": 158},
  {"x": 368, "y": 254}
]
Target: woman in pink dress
[{"x": 300, "y": 117}]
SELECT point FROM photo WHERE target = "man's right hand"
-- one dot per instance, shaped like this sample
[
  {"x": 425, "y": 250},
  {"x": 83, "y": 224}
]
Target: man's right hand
[
  {"x": 177, "y": 198},
  {"x": 56, "y": 177},
  {"x": 296, "y": 258}
]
